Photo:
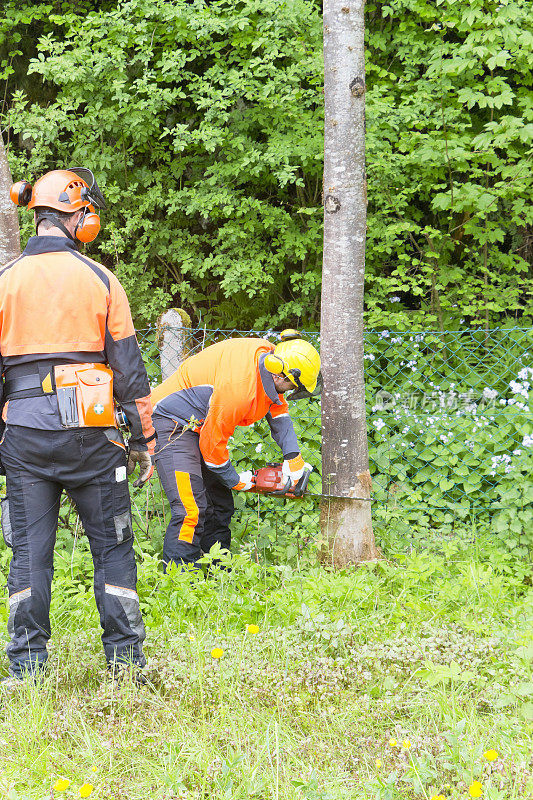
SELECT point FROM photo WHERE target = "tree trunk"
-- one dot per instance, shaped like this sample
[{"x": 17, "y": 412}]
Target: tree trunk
[
  {"x": 9, "y": 222},
  {"x": 346, "y": 519}
]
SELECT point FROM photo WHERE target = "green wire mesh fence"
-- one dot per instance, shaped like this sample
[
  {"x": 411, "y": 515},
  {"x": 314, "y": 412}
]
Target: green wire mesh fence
[{"x": 450, "y": 416}]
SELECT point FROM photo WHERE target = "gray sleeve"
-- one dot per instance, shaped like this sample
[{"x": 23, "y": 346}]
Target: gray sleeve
[
  {"x": 226, "y": 473},
  {"x": 283, "y": 433}
]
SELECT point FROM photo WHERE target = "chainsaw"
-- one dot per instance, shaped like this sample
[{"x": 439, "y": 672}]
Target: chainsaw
[{"x": 270, "y": 480}]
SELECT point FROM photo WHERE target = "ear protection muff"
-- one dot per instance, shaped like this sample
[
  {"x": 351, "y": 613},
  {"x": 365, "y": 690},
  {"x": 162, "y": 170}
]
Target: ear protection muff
[
  {"x": 20, "y": 193},
  {"x": 88, "y": 226},
  {"x": 274, "y": 364},
  {"x": 288, "y": 334}
]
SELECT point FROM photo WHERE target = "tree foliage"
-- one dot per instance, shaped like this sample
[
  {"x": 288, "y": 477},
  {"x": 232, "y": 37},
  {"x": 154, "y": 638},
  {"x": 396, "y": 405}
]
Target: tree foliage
[
  {"x": 204, "y": 123},
  {"x": 449, "y": 157}
]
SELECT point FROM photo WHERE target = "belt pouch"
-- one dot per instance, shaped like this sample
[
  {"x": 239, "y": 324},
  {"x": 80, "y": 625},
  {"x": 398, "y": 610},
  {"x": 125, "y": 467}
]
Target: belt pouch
[{"x": 85, "y": 395}]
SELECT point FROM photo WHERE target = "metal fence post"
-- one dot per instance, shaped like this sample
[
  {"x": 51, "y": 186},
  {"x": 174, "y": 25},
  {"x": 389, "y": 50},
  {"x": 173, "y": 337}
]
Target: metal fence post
[{"x": 171, "y": 339}]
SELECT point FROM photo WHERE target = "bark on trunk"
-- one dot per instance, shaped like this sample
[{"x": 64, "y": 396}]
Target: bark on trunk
[
  {"x": 346, "y": 519},
  {"x": 9, "y": 222}
]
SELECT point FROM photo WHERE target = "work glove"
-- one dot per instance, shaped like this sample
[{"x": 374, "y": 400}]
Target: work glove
[
  {"x": 144, "y": 460},
  {"x": 293, "y": 468},
  {"x": 246, "y": 481}
]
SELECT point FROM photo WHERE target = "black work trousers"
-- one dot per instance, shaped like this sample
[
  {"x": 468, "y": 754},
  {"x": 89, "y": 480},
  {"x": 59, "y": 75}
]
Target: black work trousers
[
  {"x": 39, "y": 464},
  {"x": 201, "y": 506}
]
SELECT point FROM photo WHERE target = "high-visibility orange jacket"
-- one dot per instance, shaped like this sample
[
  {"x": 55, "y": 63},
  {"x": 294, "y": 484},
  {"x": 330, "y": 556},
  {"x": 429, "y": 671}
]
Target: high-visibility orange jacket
[
  {"x": 224, "y": 386},
  {"x": 56, "y": 307}
]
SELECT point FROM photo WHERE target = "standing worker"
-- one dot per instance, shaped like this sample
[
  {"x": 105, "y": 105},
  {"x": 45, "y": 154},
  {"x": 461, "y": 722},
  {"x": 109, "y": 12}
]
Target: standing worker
[
  {"x": 68, "y": 348},
  {"x": 196, "y": 411}
]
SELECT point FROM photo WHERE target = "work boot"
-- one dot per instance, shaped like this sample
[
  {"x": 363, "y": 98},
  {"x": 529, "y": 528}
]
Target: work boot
[
  {"x": 12, "y": 683},
  {"x": 121, "y": 672}
]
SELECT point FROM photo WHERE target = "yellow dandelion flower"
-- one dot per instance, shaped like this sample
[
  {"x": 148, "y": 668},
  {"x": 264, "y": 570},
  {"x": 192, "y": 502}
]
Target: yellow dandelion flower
[
  {"x": 191, "y": 637},
  {"x": 217, "y": 652},
  {"x": 476, "y": 789},
  {"x": 86, "y": 789},
  {"x": 393, "y": 742},
  {"x": 406, "y": 744},
  {"x": 437, "y": 797},
  {"x": 491, "y": 755},
  {"x": 252, "y": 628},
  {"x": 378, "y": 763},
  {"x": 61, "y": 785}
]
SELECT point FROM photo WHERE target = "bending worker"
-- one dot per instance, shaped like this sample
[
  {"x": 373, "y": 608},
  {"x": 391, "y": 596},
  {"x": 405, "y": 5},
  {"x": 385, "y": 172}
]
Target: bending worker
[
  {"x": 67, "y": 345},
  {"x": 196, "y": 410}
]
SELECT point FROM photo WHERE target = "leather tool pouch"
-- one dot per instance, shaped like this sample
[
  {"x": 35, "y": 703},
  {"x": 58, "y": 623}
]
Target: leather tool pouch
[{"x": 85, "y": 395}]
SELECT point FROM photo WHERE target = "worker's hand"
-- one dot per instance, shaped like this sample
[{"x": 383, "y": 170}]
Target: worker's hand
[
  {"x": 293, "y": 468},
  {"x": 144, "y": 460},
  {"x": 246, "y": 481}
]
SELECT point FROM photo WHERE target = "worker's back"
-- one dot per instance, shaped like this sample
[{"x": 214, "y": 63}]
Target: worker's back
[
  {"x": 54, "y": 301},
  {"x": 231, "y": 364}
]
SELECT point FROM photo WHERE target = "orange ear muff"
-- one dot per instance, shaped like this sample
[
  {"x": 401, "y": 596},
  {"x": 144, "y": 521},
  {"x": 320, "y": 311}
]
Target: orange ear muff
[
  {"x": 88, "y": 228},
  {"x": 274, "y": 364},
  {"x": 20, "y": 193}
]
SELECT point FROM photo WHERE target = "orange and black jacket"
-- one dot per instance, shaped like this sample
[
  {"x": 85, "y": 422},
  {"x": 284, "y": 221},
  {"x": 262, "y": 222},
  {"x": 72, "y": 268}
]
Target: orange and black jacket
[
  {"x": 224, "y": 386},
  {"x": 58, "y": 307}
]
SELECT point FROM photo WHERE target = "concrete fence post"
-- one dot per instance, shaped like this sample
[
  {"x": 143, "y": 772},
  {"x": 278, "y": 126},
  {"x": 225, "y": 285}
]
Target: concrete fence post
[{"x": 171, "y": 339}]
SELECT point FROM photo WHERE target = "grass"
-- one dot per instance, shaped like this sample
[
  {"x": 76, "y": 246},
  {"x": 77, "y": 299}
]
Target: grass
[{"x": 430, "y": 651}]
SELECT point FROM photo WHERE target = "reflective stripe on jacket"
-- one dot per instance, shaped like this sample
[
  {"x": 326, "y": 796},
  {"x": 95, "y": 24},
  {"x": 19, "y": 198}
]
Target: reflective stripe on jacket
[
  {"x": 56, "y": 304},
  {"x": 225, "y": 386}
]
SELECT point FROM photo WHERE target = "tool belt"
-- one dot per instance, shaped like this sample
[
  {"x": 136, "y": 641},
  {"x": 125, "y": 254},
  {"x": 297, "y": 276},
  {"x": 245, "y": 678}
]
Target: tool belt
[{"x": 84, "y": 393}]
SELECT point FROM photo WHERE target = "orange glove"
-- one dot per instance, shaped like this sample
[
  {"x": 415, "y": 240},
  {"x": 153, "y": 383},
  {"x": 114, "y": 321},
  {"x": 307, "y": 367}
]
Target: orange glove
[{"x": 293, "y": 468}]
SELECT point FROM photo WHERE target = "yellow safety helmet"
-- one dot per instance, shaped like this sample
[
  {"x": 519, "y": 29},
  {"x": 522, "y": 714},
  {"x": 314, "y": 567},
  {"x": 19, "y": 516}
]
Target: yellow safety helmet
[{"x": 298, "y": 360}]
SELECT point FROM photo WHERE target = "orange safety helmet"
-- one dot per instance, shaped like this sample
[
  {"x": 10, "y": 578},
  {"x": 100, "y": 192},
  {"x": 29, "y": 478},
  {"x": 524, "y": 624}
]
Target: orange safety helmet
[{"x": 66, "y": 190}]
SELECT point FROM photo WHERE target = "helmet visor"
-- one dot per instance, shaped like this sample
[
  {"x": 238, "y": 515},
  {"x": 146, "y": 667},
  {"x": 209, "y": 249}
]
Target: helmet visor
[
  {"x": 94, "y": 193},
  {"x": 301, "y": 393}
]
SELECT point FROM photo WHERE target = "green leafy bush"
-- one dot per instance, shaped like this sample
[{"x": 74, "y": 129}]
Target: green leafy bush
[{"x": 204, "y": 124}]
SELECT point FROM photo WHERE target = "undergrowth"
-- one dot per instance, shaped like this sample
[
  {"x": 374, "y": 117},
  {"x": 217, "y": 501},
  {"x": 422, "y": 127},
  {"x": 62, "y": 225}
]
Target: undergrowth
[{"x": 388, "y": 681}]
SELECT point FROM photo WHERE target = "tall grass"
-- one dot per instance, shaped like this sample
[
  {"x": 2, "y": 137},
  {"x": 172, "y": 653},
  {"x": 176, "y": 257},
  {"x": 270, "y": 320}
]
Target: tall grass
[{"x": 390, "y": 681}]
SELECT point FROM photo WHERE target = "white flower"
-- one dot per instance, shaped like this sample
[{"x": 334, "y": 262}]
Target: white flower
[
  {"x": 527, "y": 441},
  {"x": 489, "y": 394},
  {"x": 519, "y": 388},
  {"x": 497, "y": 461},
  {"x": 395, "y": 299},
  {"x": 378, "y": 424},
  {"x": 258, "y": 447},
  {"x": 525, "y": 373}
]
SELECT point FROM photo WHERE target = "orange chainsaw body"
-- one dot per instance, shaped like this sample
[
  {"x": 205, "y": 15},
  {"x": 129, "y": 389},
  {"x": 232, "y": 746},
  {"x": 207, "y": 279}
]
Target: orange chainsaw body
[{"x": 270, "y": 480}]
